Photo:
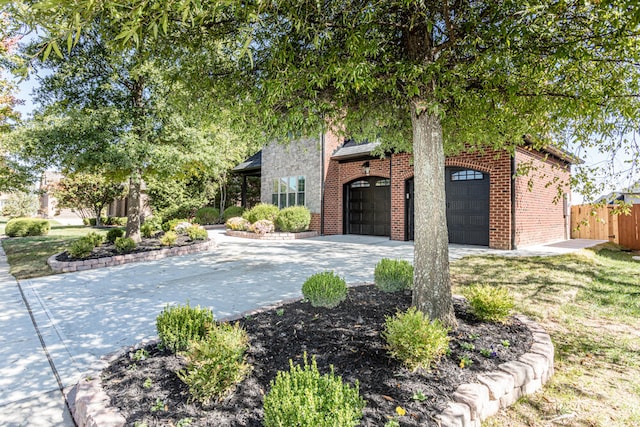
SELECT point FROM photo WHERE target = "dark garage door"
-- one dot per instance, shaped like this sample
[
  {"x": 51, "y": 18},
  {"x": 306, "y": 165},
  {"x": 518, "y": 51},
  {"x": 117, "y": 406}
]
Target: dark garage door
[
  {"x": 368, "y": 207},
  {"x": 467, "y": 193}
]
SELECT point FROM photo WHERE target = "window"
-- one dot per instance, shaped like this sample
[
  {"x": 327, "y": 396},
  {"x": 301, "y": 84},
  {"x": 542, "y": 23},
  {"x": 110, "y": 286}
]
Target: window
[
  {"x": 288, "y": 191},
  {"x": 466, "y": 175},
  {"x": 360, "y": 184},
  {"x": 383, "y": 182}
]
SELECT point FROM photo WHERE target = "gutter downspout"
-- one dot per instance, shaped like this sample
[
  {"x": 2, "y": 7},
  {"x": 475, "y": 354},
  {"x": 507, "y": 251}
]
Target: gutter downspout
[
  {"x": 322, "y": 181},
  {"x": 513, "y": 201},
  {"x": 390, "y": 195}
]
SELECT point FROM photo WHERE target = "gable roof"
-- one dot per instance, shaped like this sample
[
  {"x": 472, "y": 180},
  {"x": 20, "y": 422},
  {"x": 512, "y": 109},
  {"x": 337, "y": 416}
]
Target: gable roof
[{"x": 252, "y": 165}]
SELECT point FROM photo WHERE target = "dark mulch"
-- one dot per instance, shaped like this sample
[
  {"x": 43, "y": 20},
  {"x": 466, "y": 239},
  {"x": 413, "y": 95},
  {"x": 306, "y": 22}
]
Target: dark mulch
[
  {"x": 145, "y": 245},
  {"x": 347, "y": 337}
]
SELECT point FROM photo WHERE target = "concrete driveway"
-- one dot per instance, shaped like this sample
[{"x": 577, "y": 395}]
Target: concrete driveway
[{"x": 55, "y": 328}]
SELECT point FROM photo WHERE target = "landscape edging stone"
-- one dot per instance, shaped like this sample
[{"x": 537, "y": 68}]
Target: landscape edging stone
[
  {"x": 272, "y": 236},
  {"x": 472, "y": 403}
]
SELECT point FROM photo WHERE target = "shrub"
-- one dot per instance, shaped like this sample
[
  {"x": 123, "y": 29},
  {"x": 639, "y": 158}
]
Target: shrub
[
  {"x": 231, "y": 212},
  {"x": 325, "y": 289},
  {"x": 237, "y": 224},
  {"x": 169, "y": 238},
  {"x": 81, "y": 248},
  {"x": 124, "y": 245},
  {"x": 182, "y": 227},
  {"x": 177, "y": 326},
  {"x": 216, "y": 363},
  {"x": 148, "y": 230},
  {"x": 294, "y": 219},
  {"x": 95, "y": 238},
  {"x": 113, "y": 234},
  {"x": 197, "y": 232},
  {"x": 92, "y": 221},
  {"x": 413, "y": 339},
  {"x": 263, "y": 226},
  {"x": 391, "y": 275},
  {"x": 21, "y": 227},
  {"x": 261, "y": 211},
  {"x": 171, "y": 224},
  {"x": 115, "y": 220},
  {"x": 489, "y": 303},
  {"x": 303, "y": 397},
  {"x": 208, "y": 215}
]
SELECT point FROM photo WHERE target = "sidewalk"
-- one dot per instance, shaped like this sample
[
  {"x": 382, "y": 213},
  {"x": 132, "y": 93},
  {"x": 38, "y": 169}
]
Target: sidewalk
[{"x": 86, "y": 315}]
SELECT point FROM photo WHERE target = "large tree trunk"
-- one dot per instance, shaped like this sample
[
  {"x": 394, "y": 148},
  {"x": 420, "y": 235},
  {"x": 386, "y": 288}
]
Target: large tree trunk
[
  {"x": 432, "y": 285},
  {"x": 134, "y": 208}
]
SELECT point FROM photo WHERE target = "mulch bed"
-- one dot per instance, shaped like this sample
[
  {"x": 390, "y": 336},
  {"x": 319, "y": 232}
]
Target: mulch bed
[
  {"x": 146, "y": 244},
  {"x": 347, "y": 337}
]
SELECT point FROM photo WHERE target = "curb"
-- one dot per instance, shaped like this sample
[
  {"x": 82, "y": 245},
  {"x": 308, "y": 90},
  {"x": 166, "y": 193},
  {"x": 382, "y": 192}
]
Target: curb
[
  {"x": 272, "y": 236},
  {"x": 71, "y": 266},
  {"x": 471, "y": 403}
]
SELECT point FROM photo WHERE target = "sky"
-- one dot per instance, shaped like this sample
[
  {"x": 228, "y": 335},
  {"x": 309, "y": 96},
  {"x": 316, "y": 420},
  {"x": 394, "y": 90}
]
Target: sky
[{"x": 590, "y": 157}]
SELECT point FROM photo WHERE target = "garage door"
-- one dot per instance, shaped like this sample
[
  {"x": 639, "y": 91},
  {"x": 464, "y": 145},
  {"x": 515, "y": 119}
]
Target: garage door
[
  {"x": 467, "y": 193},
  {"x": 368, "y": 207}
]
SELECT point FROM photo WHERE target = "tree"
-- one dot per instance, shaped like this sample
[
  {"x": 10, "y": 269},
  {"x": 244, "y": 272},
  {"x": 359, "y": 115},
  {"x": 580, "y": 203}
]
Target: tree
[
  {"x": 20, "y": 204},
  {"x": 424, "y": 76},
  {"x": 83, "y": 192}
]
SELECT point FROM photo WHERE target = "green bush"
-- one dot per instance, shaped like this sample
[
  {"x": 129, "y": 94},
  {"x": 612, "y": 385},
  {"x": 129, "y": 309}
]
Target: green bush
[
  {"x": 196, "y": 232},
  {"x": 261, "y": 211},
  {"x": 113, "y": 234},
  {"x": 303, "y": 397},
  {"x": 169, "y": 238},
  {"x": 124, "y": 245},
  {"x": 21, "y": 227},
  {"x": 179, "y": 325},
  {"x": 413, "y": 339},
  {"x": 231, "y": 212},
  {"x": 148, "y": 230},
  {"x": 489, "y": 303},
  {"x": 207, "y": 216},
  {"x": 293, "y": 219},
  {"x": 92, "y": 221},
  {"x": 391, "y": 275},
  {"x": 237, "y": 224},
  {"x": 325, "y": 289},
  {"x": 171, "y": 224},
  {"x": 185, "y": 210},
  {"x": 95, "y": 238},
  {"x": 216, "y": 363},
  {"x": 81, "y": 248},
  {"x": 115, "y": 220}
]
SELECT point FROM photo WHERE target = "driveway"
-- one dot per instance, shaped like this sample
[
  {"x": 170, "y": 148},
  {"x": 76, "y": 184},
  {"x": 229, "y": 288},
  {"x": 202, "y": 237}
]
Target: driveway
[{"x": 83, "y": 316}]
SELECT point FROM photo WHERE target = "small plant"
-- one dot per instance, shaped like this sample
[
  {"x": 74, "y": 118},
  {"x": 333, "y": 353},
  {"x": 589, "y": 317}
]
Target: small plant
[
  {"x": 262, "y": 227},
  {"x": 474, "y": 337},
  {"x": 488, "y": 353},
  {"x": 465, "y": 361},
  {"x": 22, "y": 227},
  {"x": 196, "y": 232},
  {"x": 280, "y": 312},
  {"x": 304, "y": 397},
  {"x": 147, "y": 383},
  {"x": 419, "y": 396},
  {"x": 95, "y": 238},
  {"x": 391, "y": 275},
  {"x": 232, "y": 211},
  {"x": 261, "y": 211},
  {"x": 413, "y": 339},
  {"x": 124, "y": 245},
  {"x": 505, "y": 343},
  {"x": 182, "y": 227},
  {"x": 237, "y": 224},
  {"x": 392, "y": 423},
  {"x": 489, "y": 303},
  {"x": 177, "y": 326},
  {"x": 159, "y": 406},
  {"x": 467, "y": 346},
  {"x": 140, "y": 354},
  {"x": 169, "y": 238},
  {"x": 148, "y": 230},
  {"x": 171, "y": 224},
  {"x": 325, "y": 289},
  {"x": 217, "y": 363},
  {"x": 81, "y": 248},
  {"x": 113, "y": 234},
  {"x": 207, "y": 216},
  {"x": 184, "y": 422},
  {"x": 293, "y": 219}
]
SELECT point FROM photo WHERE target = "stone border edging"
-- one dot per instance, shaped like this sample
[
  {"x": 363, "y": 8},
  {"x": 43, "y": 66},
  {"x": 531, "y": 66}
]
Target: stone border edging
[
  {"x": 70, "y": 266},
  {"x": 472, "y": 403},
  {"x": 272, "y": 236}
]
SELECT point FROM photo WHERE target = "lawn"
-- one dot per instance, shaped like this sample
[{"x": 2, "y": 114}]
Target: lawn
[
  {"x": 590, "y": 304},
  {"x": 28, "y": 256}
]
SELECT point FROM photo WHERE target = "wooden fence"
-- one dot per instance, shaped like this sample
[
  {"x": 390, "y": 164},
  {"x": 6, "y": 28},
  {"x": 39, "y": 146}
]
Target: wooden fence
[{"x": 588, "y": 222}]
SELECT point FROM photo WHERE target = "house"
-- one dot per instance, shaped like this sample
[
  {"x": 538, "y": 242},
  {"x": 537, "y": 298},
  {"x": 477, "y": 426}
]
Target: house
[
  {"x": 350, "y": 191},
  {"x": 629, "y": 195}
]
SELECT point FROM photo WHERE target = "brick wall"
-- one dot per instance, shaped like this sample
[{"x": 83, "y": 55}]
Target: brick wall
[{"x": 540, "y": 215}]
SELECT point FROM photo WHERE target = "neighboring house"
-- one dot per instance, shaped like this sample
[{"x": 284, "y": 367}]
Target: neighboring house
[
  {"x": 630, "y": 195},
  {"x": 350, "y": 191}
]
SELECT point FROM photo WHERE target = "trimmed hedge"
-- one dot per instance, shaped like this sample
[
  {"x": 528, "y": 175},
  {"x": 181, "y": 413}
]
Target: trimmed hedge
[
  {"x": 207, "y": 216},
  {"x": 261, "y": 211},
  {"x": 293, "y": 219},
  {"x": 231, "y": 212},
  {"x": 21, "y": 227}
]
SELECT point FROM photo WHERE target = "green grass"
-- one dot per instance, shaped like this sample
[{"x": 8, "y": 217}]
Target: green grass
[
  {"x": 589, "y": 302},
  {"x": 27, "y": 256}
]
